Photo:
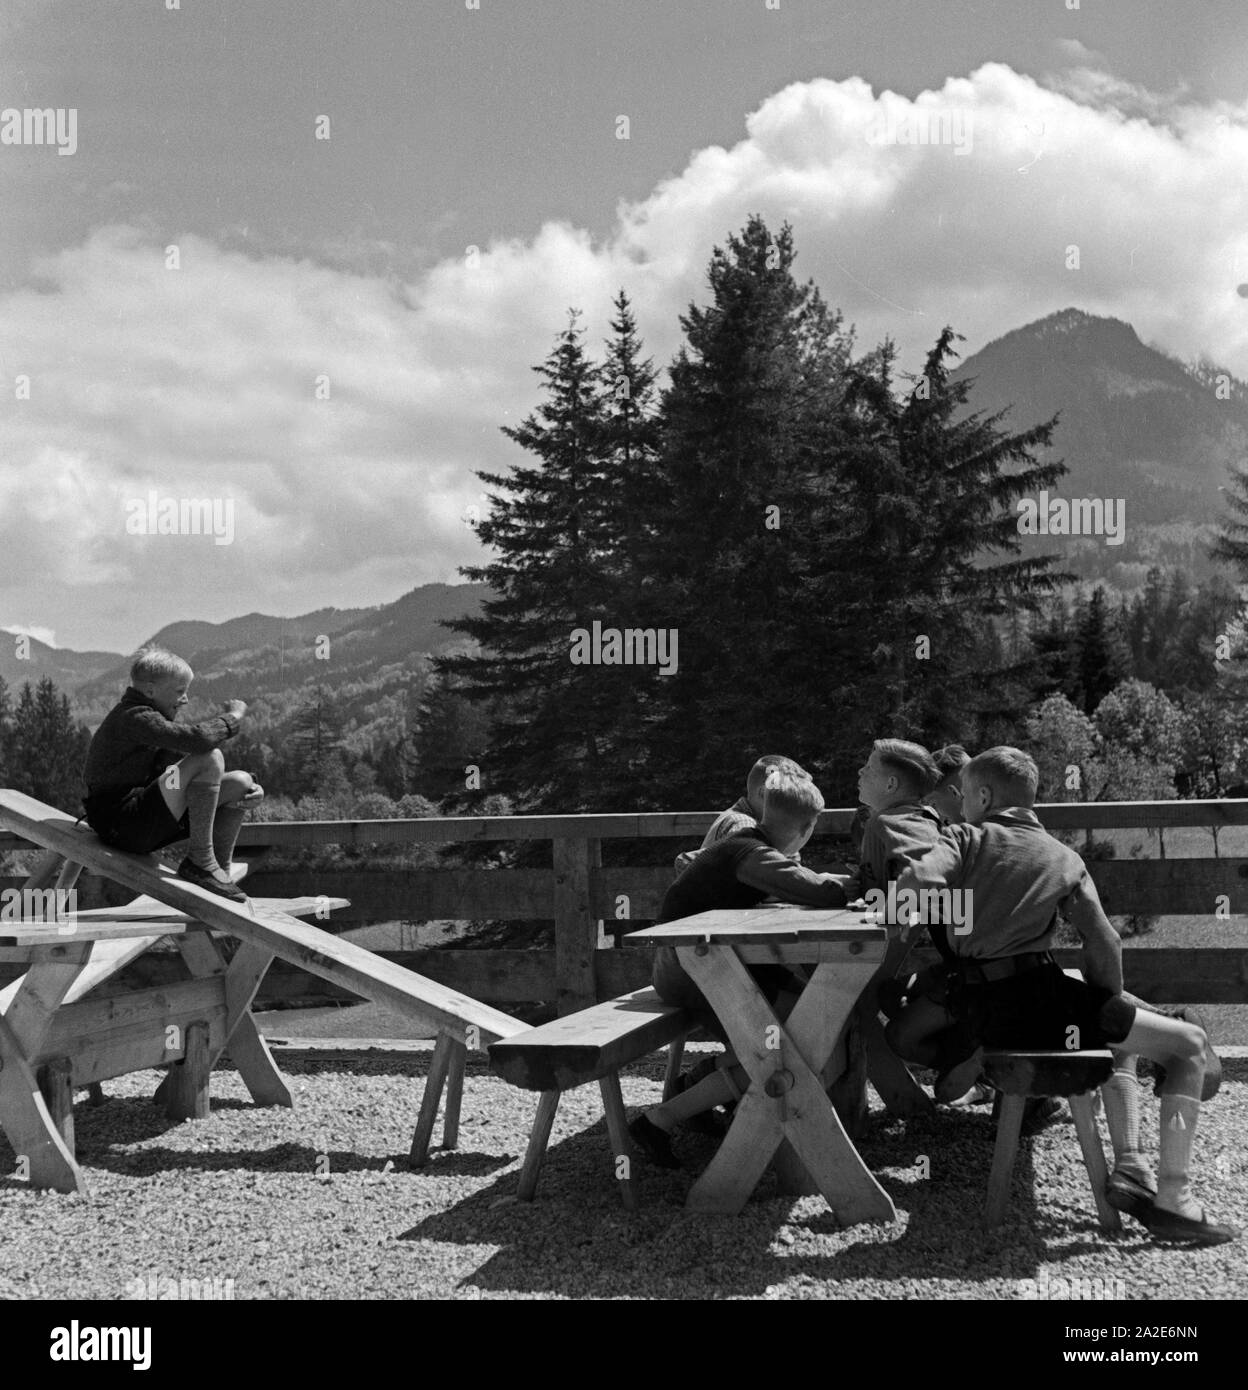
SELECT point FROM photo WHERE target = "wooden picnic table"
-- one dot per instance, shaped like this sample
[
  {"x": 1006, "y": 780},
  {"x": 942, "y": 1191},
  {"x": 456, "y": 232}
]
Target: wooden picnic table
[
  {"x": 53, "y": 1040},
  {"x": 786, "y": 1107}
]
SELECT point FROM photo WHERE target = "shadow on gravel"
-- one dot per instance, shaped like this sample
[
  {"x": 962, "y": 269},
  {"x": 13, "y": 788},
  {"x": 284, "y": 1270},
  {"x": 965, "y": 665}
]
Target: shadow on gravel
[{"x": 576, "y": 1240}]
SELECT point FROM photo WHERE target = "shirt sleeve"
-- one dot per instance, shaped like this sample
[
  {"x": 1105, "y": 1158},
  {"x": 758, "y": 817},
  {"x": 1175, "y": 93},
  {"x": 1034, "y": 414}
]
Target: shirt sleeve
[
  {"x": 939, "y": 866},
  {"x": 150, "y": 728},
  {"x": 782, "y": 877}
]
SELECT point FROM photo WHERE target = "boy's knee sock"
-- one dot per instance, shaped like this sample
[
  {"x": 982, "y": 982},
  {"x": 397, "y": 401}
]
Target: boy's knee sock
[
  {"x": 201, "y": 807},
  {"x": 225, "y": 827},
  {"x": 1178, "y": 1132},
  {"x": 1121, "y": 1094}
]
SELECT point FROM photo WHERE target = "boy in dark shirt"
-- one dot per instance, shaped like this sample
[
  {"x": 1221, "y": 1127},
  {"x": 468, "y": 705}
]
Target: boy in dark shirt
[
  {"x": 1011, "y": 993},
  {"x": 737, "y": 872},
  {"x": 142, "y": 796}
]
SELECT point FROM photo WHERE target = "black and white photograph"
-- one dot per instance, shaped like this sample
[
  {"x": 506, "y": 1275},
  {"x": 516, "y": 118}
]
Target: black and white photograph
[{"x": 623, "y": 665}]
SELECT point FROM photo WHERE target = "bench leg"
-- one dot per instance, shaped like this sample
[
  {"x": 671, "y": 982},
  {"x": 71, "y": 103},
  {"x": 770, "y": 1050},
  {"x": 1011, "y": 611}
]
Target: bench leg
[
  {"x": 547, "y": 1104},
  {"x": 1009, "y": 1126},
  {"x": 431, "y": 1100},
  {"x": 675, "y": 1055},
  {"x": 186, "y": 1085},
  {"x": 1094, "y": 1159},
  {"x": 95, "y": 1095},
  {"x": 454, "y": 1094},
  {"x": 617, "y": 1133}
]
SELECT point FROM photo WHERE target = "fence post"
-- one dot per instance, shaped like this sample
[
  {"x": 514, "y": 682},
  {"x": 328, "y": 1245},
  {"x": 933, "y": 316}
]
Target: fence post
[{"x": 576, "y": 924}]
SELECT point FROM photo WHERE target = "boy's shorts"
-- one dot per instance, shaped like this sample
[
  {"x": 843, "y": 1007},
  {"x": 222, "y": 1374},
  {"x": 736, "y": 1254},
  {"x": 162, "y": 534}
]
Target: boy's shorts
[
  {"x": 1035, "y": 1010},
  {"x": 139, "y": 823},
  {"x": 673, "y": 985}
]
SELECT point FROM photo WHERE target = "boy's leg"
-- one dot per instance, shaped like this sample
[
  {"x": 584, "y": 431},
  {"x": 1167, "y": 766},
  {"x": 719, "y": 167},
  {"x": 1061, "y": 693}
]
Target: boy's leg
[
  {"x": 239, "y": 792},
  {"x": 913, "y": 1034},
  {"x": 1180, "y": 1047},
  {"x": 1121, "y": 1094},
  {"x": 193, "y": 786}
]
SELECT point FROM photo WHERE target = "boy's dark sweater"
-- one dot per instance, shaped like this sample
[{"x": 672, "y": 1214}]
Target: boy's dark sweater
[{"x": 136, "y": 743}]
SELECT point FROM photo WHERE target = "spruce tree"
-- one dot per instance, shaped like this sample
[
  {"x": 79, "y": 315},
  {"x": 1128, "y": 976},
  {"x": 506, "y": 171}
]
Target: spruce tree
[
  {"x": 737, "y": 518},
  {"x": 928, "y": 560},
  {"x": 553, "y": 530}
]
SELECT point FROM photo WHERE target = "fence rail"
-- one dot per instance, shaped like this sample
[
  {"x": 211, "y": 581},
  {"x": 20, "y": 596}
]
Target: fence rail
[{"x": 590, "y": 905}]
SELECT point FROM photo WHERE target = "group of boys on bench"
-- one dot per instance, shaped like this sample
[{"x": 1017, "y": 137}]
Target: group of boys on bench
[
  {"x": 936, "y": 822},
  {"x": 943, "y": 821}
]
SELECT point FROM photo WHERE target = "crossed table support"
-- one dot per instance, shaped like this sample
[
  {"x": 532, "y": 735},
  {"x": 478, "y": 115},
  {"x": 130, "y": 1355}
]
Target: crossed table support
[{"x": 786, "y": 1107}]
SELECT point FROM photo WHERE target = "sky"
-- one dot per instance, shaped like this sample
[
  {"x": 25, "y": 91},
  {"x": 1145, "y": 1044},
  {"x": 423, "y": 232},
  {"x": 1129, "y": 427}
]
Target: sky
[{"x": 178, "y": 291}]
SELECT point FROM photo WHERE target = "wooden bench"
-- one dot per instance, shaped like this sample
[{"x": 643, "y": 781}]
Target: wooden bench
[
  {"x": 66, "y": 965},
  {"x": 1074, "y": 1075},
  {"x": 591, "y": 1045}
]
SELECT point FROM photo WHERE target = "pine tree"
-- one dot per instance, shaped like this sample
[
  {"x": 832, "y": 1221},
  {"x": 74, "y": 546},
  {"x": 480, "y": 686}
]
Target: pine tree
[
  {"x": 738, "y": 517},
  {"x": 48, "y": 748},
  {"x": 928, "y": 560},
  {"x": 1100, "y": 659},
  {"x": 553, "y": 529},
  {"x": 312, "y": 744}
]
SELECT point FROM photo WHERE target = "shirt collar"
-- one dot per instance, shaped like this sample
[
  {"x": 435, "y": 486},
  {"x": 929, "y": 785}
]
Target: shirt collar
[
  {"x": 136, "y": 697},
  {"x": 1015, "y": 815}
]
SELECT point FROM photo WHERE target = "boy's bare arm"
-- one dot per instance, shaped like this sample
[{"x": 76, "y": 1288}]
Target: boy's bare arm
[{"x": 1102, "y": 946}]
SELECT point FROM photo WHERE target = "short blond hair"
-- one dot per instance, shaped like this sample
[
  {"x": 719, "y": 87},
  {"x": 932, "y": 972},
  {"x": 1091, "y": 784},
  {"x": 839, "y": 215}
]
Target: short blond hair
[
  {"x": 756, "y": 779},
  {"x": 156, "y": 664},
  {"x": 791, "y": 797},
  {"x": 1010, "y": 772},
  {"x": 911, "y": 763}
]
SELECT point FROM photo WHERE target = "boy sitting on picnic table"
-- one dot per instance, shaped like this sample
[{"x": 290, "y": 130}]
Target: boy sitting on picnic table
[
  {"x": 740, "y": 871},
  {"x": 152, "y": 781},
  {"x": 1009, "y": 993}
]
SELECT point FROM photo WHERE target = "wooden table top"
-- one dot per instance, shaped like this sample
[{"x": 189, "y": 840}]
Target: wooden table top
[{"x": 761, "y": 926}]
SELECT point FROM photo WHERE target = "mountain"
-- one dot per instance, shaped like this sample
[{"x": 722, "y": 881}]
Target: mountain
[
  {"x": 69, "y": 669},
  {"x": 1134, "y": 424},
  {"x": 373, "y": 657}
]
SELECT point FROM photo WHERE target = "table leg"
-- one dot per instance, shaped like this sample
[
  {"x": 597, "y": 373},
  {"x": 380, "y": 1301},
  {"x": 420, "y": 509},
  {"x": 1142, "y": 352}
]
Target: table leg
[
  {"x": 243, "y": 1041},
  {"x": 786, "y": 1099},
  {"x": 37, "y": 1140}
]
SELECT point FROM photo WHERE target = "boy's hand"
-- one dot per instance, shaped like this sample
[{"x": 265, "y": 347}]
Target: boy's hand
[
  {"x": 235, "y": 707},
  {"x": 254, "y": 793}
]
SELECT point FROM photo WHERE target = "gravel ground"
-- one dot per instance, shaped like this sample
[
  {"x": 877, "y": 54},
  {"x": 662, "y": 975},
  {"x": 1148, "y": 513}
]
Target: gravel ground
[{"x": 236, "y": 1197}]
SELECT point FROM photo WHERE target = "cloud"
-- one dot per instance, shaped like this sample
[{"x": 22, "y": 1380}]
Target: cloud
[
  {"x": 202, "y": 382},
  {"x": 40, "y": 634}
]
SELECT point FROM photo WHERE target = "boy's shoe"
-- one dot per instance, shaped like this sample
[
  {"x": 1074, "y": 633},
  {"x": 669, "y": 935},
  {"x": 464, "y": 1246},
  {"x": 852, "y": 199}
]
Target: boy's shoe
[
  {"x": 202, "y": 878},
  {"x": 654, "y": 1142},
  {"x": 712, "y": 1123},
  {"x": 955, "y": 1081},
  {"x": 1212, "y": 1083},
  {"x": 1169, "y": 1225},
  {"x": 1126, "y": 1193}
]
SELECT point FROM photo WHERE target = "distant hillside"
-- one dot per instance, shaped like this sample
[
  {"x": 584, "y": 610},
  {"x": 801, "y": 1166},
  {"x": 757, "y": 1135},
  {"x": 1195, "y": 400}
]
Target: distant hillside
[
  {"x": 68, "y": 669},
  {"x": 374, "y": 653},
  {"x": 1135, "y": 423}
]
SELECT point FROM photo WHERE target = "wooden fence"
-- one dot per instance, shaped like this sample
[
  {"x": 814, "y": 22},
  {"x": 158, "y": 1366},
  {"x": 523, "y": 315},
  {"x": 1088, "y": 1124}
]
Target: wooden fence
[{"x": 578, "y": 894}]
